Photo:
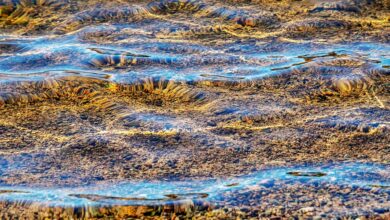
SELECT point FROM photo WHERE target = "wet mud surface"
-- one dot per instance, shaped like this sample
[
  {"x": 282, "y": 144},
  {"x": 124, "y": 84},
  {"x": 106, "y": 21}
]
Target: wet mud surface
[{"x": 195, "y": 109}]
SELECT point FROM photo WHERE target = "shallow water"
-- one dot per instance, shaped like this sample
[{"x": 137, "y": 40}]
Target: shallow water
[
  {"x": 53, "y": 56},
  {"x": 160, "y": 192},
  {"x": 194, "y": 108}
]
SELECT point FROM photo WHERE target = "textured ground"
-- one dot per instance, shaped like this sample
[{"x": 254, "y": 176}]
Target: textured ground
[{"x": 98, "y": 91}]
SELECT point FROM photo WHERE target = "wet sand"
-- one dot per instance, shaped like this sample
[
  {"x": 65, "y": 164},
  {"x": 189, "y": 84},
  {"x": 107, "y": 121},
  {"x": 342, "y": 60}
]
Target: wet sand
[{"x": 250, "y": 106}]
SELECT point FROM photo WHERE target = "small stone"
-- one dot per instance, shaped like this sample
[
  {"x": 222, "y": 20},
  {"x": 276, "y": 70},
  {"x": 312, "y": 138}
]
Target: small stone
[{"x": 307, "y": 209}]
